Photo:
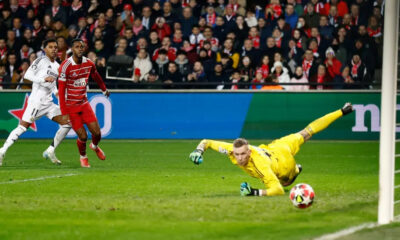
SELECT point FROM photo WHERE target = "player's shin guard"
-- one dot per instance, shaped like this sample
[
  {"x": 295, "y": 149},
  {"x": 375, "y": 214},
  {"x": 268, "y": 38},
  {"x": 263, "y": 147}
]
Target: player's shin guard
[
  {"x": 323, "y": 122},
  {"x": 60, "y": 135},
  {"x": 81, "y": 147},
  {"x": 13, "y": 137}
]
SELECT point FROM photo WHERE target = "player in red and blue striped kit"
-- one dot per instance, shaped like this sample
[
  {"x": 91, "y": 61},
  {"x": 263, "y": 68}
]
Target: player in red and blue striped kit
[{"x": 73, "y": 78}]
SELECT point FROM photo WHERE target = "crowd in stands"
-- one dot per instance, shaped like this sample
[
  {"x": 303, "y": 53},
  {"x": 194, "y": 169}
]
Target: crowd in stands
[{"x": 213, "y": 44}]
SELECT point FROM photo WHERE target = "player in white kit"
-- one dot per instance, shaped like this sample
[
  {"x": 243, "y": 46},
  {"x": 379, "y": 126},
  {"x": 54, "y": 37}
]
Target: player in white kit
[{"x": 43, "y": 72}]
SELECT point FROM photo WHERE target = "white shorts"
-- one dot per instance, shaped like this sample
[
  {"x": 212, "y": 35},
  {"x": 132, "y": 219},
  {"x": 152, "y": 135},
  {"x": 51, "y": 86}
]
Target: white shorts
[{"x": 32, "y": 114}]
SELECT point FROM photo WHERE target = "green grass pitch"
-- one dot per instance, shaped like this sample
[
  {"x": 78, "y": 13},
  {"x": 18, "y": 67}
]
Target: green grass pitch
[{"x": 151, "y": 190}]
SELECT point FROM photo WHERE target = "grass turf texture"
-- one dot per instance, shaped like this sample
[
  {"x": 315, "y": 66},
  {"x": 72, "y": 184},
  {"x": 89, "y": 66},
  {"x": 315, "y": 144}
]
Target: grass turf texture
[{"x": 151, "y": 190}]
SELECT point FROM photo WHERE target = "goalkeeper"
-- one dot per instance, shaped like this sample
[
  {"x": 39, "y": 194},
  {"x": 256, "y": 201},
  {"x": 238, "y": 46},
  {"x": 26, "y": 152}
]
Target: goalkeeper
[{"x": 274, "y": 163}]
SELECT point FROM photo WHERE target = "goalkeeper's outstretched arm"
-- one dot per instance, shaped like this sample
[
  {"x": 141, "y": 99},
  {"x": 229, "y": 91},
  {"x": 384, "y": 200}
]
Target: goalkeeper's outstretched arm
[{"x": 197, "y": 155}]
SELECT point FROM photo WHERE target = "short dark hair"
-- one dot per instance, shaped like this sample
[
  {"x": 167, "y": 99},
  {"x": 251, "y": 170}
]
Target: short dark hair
[
  {"x": 76, "y": 40},
  {"x": 240, "y": 142},
  {"x": 47, "y": 41}
]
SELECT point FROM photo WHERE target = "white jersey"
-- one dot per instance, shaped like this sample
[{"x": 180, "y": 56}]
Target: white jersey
[{"x": 42, "y": 91}]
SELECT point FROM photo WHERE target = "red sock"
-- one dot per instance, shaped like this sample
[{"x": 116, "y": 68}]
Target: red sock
[
  {"x": 81, "y": 147},
  {"x": 96, "y": 139}
]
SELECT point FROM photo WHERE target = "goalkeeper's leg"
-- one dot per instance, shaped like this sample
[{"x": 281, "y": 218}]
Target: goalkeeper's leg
[{"x": 323, "y": 122}]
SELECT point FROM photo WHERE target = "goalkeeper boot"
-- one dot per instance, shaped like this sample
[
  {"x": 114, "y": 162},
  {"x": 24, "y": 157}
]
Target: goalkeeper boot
[
  {"x": 100, "y": 154},
  {"x": 85, "y": 162},
  {"x": 347, "y": 108},
  {"x": 2, "y": 155},
  {"x": 51, "y": 155}
]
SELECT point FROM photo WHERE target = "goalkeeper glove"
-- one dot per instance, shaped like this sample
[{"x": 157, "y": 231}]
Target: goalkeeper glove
[
  {"x": 246, "y": 190},
  {"x": 196, "y": 156}
]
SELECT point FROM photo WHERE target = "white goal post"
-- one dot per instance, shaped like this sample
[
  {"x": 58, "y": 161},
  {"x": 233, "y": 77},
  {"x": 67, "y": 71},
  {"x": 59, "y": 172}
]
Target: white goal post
[{"x": 388, "y": 113}]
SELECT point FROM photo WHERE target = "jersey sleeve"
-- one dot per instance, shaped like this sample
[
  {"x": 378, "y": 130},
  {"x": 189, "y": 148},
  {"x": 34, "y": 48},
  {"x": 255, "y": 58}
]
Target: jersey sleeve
[
  {"x": 269, "y": 179},
  {"x": 96, "y": 77},
  {"x": 222, "y": 147},
  {"x": 35, "y": 72}
]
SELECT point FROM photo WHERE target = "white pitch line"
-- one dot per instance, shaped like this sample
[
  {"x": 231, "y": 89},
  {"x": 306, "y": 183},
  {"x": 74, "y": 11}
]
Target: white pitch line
[
  {"x": 351, "y": 230},
  {"x": 39, "y": 179}
]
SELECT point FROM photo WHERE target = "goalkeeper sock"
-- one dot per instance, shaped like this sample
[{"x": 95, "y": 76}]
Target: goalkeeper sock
[
  {"x": 81, "y": 147},
  {"x": 323, "y": 122}
]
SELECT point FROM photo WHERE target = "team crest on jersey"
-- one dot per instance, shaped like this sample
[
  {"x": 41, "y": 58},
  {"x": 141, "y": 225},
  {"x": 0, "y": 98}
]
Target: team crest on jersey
[
  {"x": 49, "y": 66},
  {"x": 74, "y": 74}
]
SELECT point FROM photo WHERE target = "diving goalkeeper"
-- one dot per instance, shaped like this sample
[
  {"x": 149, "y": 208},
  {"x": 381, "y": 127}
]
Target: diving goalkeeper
[{"x": 273, "y": 164}]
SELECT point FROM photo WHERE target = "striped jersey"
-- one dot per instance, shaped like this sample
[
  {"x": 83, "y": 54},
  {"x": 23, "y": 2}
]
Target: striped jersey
[{"x": 73, "y": 79}]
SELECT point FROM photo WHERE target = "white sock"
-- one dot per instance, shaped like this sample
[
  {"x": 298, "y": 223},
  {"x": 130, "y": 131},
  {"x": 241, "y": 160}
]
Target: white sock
[
  {"x": 60, "y": 135},
  {"x": 13, "y": 137},
  {"x": 83, "y": 156},
  {"x": 94, "y": 146}
]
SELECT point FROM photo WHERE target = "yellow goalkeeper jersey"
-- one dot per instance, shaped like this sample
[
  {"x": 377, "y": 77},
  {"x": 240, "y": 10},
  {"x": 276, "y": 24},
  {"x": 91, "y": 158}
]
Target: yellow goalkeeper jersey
[{"x": 274, "y": 163}]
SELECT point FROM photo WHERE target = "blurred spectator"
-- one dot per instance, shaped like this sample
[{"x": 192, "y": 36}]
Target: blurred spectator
[
  {"x": 251, "y": 19},
  {"x": 161, "y": 27},
  {"x": 273, "y": 10},
  {"x": 198, "y": 75},
  {"x": 187, "y": 20},
  {"x": 168, "y": 15},
  {"x": 228, "y": 49},
  {"x": 190, "y": 51},
  {"x": 3, "y": 50},
  {"x": 242, "y": 30},
  {"x": 236, "y": 78},
  {"x": 161, "y": 64},
  {"x": 271, "y": 48},
  {"x": 75, "y": 11},
  {"x": 125, "y": 20},
  {"x": 298, "y": 77},
  {"x": 177, "y": 40},
  {"x": 16, "y": 10},
  {"x": 342, "y": 7},
  {"x": 246, "y": 69},
  {"x": 310, "y": 16},
  {"x": 251, "y": 52},
  {"x": 254, "y": 37},
  {"x": 218, "y": 76},
  {"x": 143, "y": 63},
  {"x": 138, "y": 29},
  {"x": 258, "y": 79},
  {"x": 229, "y": 19},
  {"x": 291, "y": 16},
  {"x": 147, "y": 18},
  {"x": 62, "y": 49},
  {"x": 5, "y": 78},
  {"x": 182, "y": 64},
  {"x": 153, "y": 82},
  {"x": 172, "y": 76},
  {"x": 25, "y": 51},
  {"x": 309, "y": 65},
  {"x": 265, "y": 67},
  {"x": 219, "y": 29},
  {"x": 154, "y": 42},
  {"x": 12, "y": 64},
  {"x": 208, "y": 36},
  {"x": 320, "y": 78},
  {"x": 166, "y": 45},
  {"x": 100, "y": 50},
  {"x": 57, "y": 12},
  {"x": 280, "y": 72},
  {"x": 13, "y": 44},
  {"x": 332, "y": 64},
  {"x": 344, "y": 80},
  {"x": 60, "y": 30},
  {"x": 293, "y": 55},
  {"x": 196, "y": 36},
  {"x": 358, "y": 71}
]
